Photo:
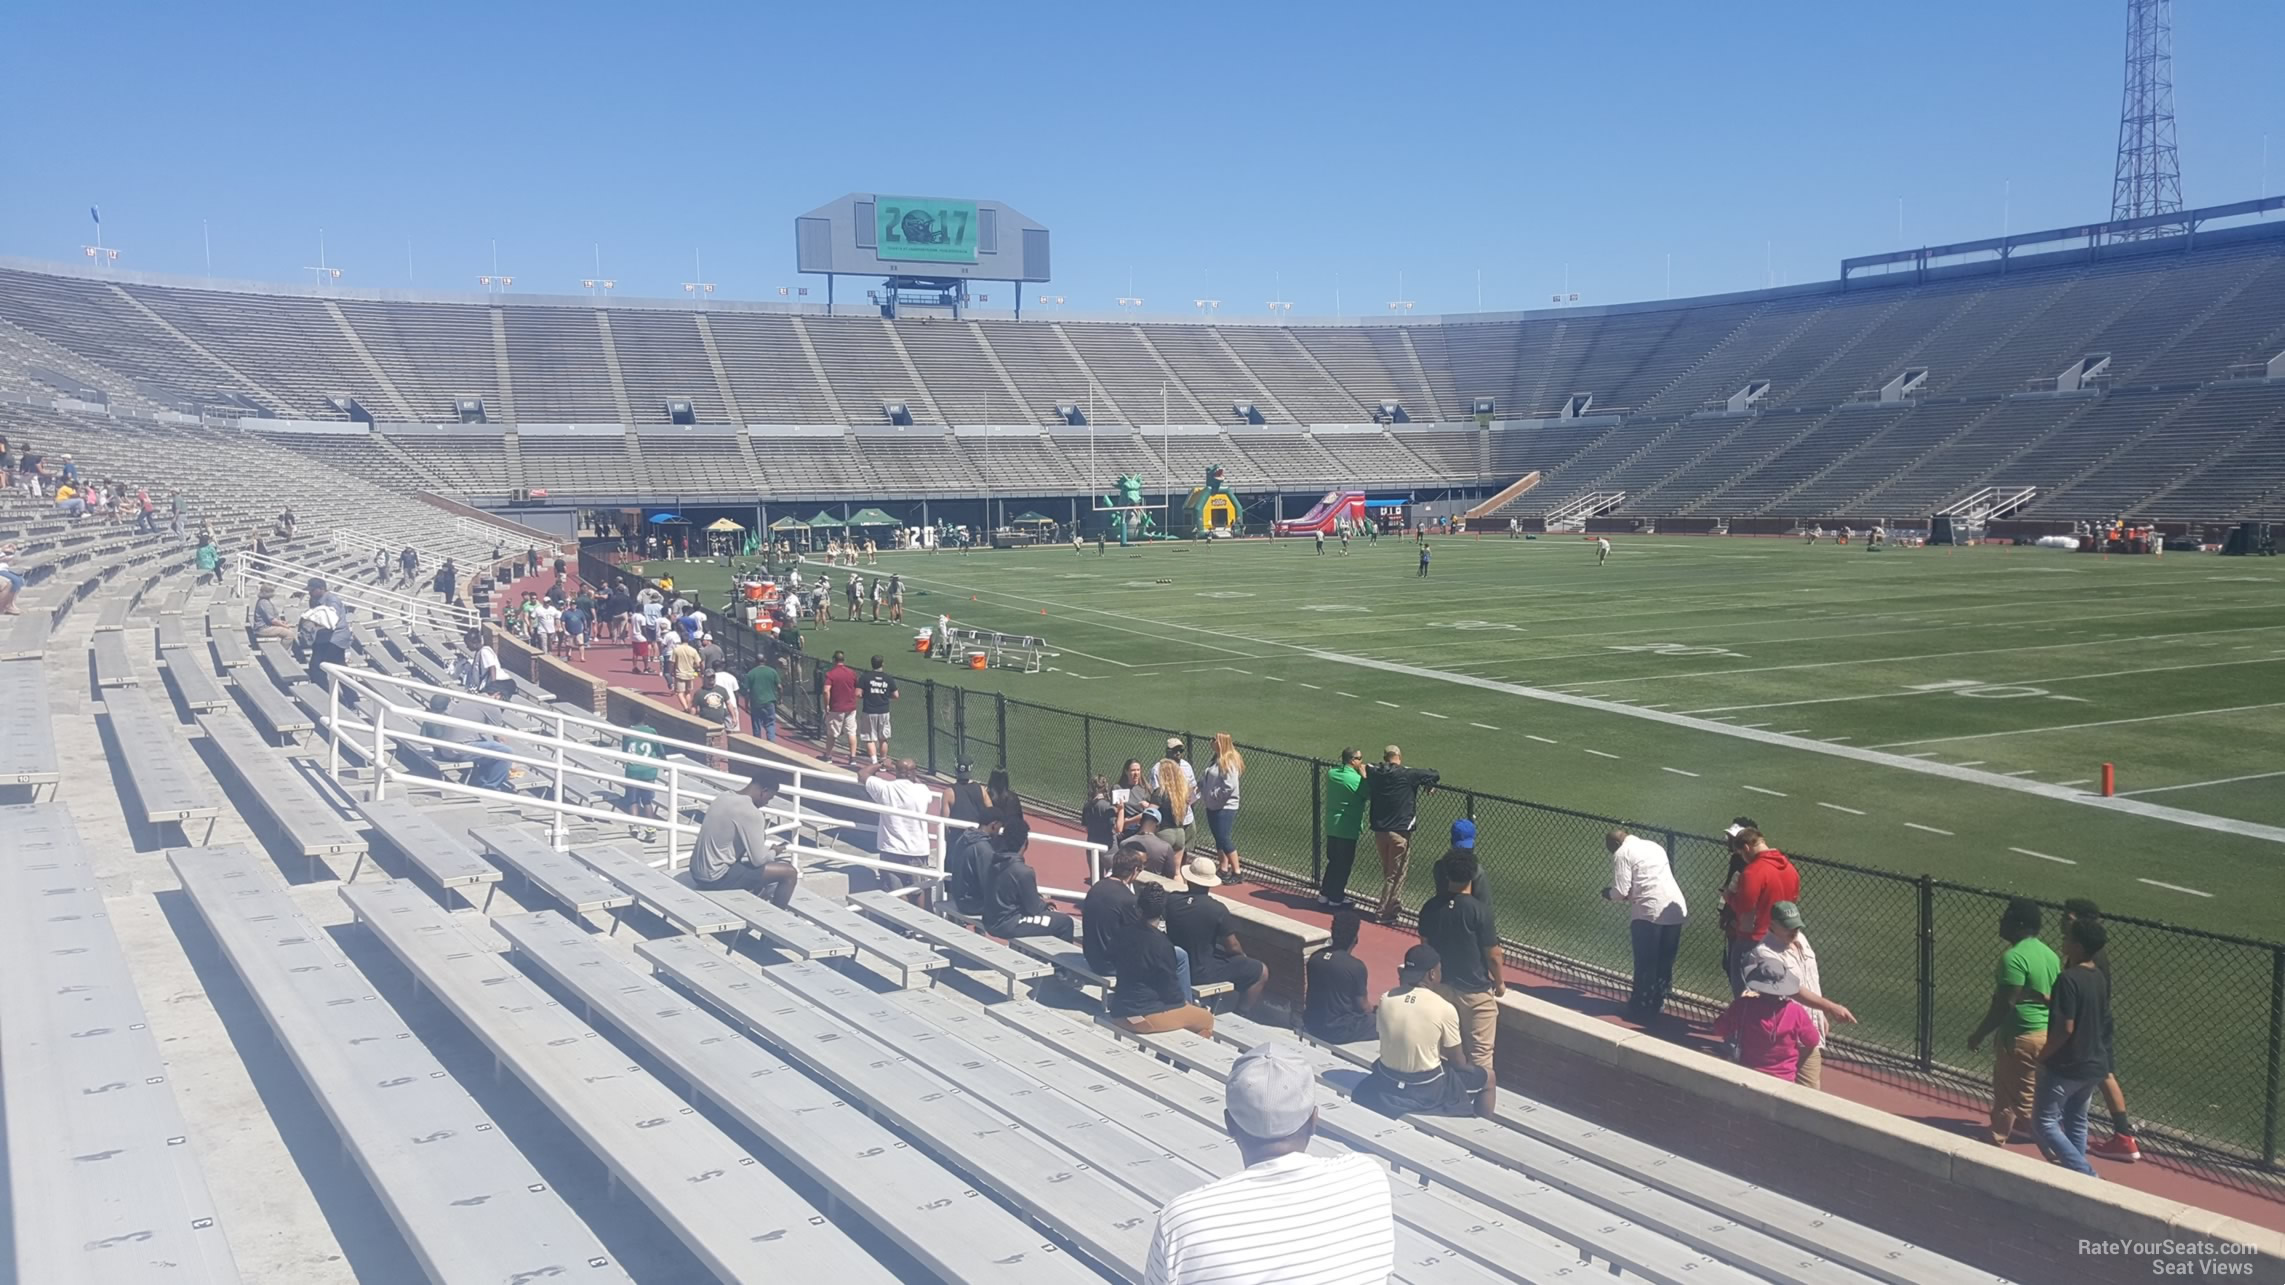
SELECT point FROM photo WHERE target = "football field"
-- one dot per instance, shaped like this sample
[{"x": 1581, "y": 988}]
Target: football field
[{"x": 1934, "y": 711}]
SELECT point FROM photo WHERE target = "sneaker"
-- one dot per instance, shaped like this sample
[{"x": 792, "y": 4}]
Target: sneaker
[{"x": 2119, "y": 1146}]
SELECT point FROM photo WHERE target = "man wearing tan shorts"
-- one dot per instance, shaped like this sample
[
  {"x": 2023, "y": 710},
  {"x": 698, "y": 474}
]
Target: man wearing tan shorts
[{"x": 1467, "y": 940}]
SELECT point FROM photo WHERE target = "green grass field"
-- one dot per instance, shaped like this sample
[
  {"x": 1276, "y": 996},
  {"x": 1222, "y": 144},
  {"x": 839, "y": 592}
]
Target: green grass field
[{"x": 1938, "y": 712}]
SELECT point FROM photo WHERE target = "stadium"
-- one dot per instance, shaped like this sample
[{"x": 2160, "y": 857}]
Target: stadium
[{"x": 363, "y": 822}]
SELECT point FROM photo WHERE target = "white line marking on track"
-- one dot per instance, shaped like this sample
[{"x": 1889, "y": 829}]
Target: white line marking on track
[
  {"x": 2194, "y": 785},
  {"x": 2061, "y": 861},
  {"x": 1677, "y": 771},
  {"x": 1486, "y": 726},
  {"x": 1599, "y": 754},
  {"x": 1273, "y": 678},
  {"x": 1541, "y": 739},
  {"x": 1313, "y": 687},
  {"x": 1838, "y": 808},
  {"x": 1772, "y": 793},
  {"x": 2174, "y": 887},
  {"x": 1350, "y": 695},
  {"x": 1390, "y": 704},
  {"x": 1426, "y": 714},
  {"x": 1929, "y": 828}
]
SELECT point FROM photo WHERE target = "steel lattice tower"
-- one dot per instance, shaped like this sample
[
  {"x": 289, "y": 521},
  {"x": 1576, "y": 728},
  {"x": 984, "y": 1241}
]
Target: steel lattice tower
[{"x": 2149, "y": 176}]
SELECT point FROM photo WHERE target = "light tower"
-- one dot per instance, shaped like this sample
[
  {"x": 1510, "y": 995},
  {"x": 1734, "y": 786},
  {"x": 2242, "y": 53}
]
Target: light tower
[{"x": 2148, "y": 180}]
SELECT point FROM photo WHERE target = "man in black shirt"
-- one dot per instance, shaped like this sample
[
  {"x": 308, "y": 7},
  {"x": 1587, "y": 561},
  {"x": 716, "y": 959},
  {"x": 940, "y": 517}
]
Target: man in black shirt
[
  {"x": 2077, "y": 1056},
  {"x": 1108, "y": 909},
  {"x": 1151, "y": 994},
  {"x": 1394, "y": 791},
  {"x": 2120, "y": 1145},
  {"x": 1012, "y": 904},
  {"x": 1198, "y": 922},
  {"x": 968, "y": 863},
  {"x": 1467, "y": 940},
  {"x": 875, "y": 692},
  {"x": 1339, "y": 1008}
]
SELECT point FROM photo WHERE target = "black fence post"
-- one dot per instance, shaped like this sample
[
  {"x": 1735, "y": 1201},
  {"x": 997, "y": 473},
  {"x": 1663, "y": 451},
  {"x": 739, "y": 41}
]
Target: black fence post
[
  {"x": 1317, "y": 830},
  {"x": 1468, "y": 800},
  {"x": 1000, "y": 708},
  {"x": 1925, "y": 1039},
  {"x": 2276, "y": 1038},
  {"x": 928, "y": 698},
  {"x": 959, "y": 724},
  {"x": 1086, "y": 747}
]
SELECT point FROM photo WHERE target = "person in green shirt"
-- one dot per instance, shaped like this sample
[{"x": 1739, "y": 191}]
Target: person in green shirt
[
  {"x": 640, "y": 795},
  {"x": 1344, "y": 821},
  {"x": 2018, "y": 1014},
  {"x": 762, "y": 700},
  {"x": 209, "y": 559}
]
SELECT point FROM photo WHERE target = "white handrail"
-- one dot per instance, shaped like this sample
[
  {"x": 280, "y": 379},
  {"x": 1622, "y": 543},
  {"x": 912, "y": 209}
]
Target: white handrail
[
  {"x": 250, "y": 569},
  {"x": 432, "y": 555}
]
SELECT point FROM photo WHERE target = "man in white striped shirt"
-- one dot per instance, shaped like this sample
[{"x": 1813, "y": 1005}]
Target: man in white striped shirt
[{"x": 1289, "y": 1218}]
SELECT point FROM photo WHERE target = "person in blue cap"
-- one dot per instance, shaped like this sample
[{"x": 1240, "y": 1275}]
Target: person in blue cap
[{"x": 1464, "y": 840}]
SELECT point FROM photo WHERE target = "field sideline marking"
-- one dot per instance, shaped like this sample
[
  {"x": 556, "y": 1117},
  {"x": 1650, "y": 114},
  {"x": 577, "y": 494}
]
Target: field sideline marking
[
  {"x": 2061, "y": 861},
  {"x": 2174, "y": 887},
  {"x": 2199, "y": 785},
  {"x": 1601, "y": 755},
  {"x": 2072, "y": 727},
  {"x": 1486, "y": 726},
  {"x": 1838, "y": 808},
  {"x": 1677, "y": 771},
  {"x": 1774, "y": 793},
  {"x": 1429, "y": 715},
  {"x": 2013, "y": 682},
  {"x": 1541, "y": 739},
  {"x": 1915, "y": 825}
]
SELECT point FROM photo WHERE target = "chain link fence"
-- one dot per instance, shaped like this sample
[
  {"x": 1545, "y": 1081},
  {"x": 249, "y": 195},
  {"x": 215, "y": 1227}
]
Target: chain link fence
[{"x": 2200, "y": 1016}]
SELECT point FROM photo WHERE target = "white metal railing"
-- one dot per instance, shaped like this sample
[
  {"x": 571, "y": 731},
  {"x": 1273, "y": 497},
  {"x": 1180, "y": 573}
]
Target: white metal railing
[
  {"x": 432, "y": 553},
  {"x": 249, "y": 570}
]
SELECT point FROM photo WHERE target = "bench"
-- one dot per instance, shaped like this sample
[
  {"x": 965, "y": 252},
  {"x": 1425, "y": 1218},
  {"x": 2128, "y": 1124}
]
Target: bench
[
  {"x": 1111, "y": 1224},
  {"x": 902, "y": 956},
  {"x": 1069, "y": 961},
  {"x": 172, "y": 635},
  {"x": 230, "y": 649},
  {"x": 1554, "y": 1145},
  {"x": 935, "y": 1215},
  {"x": 27, "y": 733},
  {"x": 278, "y": 658},
  {"x": 1709, "y": 1249},
  {"x": 303, "y": 818},
  {"x": 975, "y": 949},
  {"x": 195, "y": 684},
  {"x": 1071, "y": 1054},
  {"x": 656, "y": 890},
  {"x": 102, "y": 1183},
  {"x": 112, "y": 667},
  {"x": 436, "y": 849},
  {"x": 465, "y": 1182},
  {"x": 25, "y": 636},
  {"x": 271, "y": 711},
  {"x": 114, "y": 613},
  {"x": 558, "y": 874},
  {"x": 740, "y": 1220},
  {"x": 781, "y": 928},
  {"x": 152, "y": 748}
]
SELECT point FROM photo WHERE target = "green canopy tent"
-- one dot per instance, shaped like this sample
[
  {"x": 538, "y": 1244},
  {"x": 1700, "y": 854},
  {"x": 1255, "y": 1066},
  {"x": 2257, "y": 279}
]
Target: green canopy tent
[
  {"x": 872, "y": 517},
  {"x": 1031, "y": 518},
  {"x": 788, "y": 524},
  {"x": 825, "y": 522}
]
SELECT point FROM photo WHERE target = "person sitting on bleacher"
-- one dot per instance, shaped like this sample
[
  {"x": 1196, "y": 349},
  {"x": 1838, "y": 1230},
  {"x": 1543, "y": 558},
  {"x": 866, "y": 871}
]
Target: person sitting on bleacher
[
  {"x": 1339, "y": 1008},
  {"x": 1151, "y": 994},
  {"x": 1012, "y": 904},
  {"x": 968, "y": 863},
  {"x": 11, "y": 582},
  {"x": 1108, "y": 909},
  {"x": 1197, "y": 921},
  {"x": 488, "y": 772},
  {"x": 1421, "y": 1068},
  {"x": 734, "y": 849}
]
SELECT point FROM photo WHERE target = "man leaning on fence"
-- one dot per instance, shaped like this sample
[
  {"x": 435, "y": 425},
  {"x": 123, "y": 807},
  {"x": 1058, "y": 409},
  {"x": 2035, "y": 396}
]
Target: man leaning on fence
[{"x": 1643, "y": 878}]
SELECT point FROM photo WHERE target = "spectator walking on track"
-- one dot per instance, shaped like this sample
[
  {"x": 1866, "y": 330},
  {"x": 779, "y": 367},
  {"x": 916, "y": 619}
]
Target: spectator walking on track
[
  {"x": 2077, "y": 1057},
  {"x": 1288, "y": 1216},
  {"x": 1788, "y": 942},
  {"x": 1466, "y": 936},
  {"x": 877, "y": 690},
  {"x": 762, "y": 700},
  {"x": 1339, "y": 1007},
  {"x": 1421, "y": 1068},
  {"x": 2120, "y": 1145},
  {"x": 1152, "y": 994},
  {"x": 1218, "y": 788},
  {"x": 1395, "y": 793},
  {"x": 1345, "y": 805},
  {"x": 840, "y": 708},
  {"x": 1643, "y": 878},
  {"x": 2019, "y": 1015}
]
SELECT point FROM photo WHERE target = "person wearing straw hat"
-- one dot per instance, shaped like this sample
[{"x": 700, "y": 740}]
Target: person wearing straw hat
[
  {"x": 1198, "y": 922},
  {"x": 1771, "y": 1031}
]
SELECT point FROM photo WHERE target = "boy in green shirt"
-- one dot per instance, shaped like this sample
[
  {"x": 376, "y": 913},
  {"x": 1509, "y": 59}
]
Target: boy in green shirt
[
  {"x": 2026, "y": 977},
  {"x": 762, "y": 700},
  {"x": 1344, "y": 821},
  {"x": 640, "y": 793}
]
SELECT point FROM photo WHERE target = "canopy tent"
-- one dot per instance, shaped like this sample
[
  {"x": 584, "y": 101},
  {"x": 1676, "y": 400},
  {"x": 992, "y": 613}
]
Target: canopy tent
[
  {"x": 824, "y": 520},
  {"x": 724, "y": 524},
  {"x": 872, "y": 517},
  {"x": 1032, "y": 518},
  {"x": 789, "y": 524},
  {"x": 668, "y": 517}
]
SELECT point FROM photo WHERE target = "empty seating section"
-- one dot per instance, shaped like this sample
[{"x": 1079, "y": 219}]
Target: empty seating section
[
  {"x": 1207, "y": 367},
  {"x": 1905, "y": 439},
  {"x": 471, "y": 459},
  {"x": 290, "y": 346},
  {"x": 961, "y": 379},
  {"x": 2248, "y": 327},
  {"x": 682, "y": 462},
  {"x": 1370, "y": 363},
  {"x": 1488, "y": 360},
  {"x": 862, "y": 362},
  {"x": 367, "y": 455},
  {"x": 581, "y": 464},
  {"x": 1918, "y": 314},
  {"x": 797, "y": 466},
  {"x": 1777, "y": 475},
  {"x": 97, "y": 321},
  {"x": 1299, "y": 459},
  {"x": 661, "y": 359},
  {"x": 769, "y": 373},
  {"x": 1295, "y": 378},
  {"x": 1737, "y": 455},
  {"x": 1124, "y": 368},
  {"x": 556, "y": 366},
  {"x": 1043, "y": 368},
  {"x": 434, "y": 353},
  {"x": 2250, "y": 423},
  {"x": 1017, "y": 461},
  {"x": 922, "y": 461},
  {"x": 1973, "y": 457}
]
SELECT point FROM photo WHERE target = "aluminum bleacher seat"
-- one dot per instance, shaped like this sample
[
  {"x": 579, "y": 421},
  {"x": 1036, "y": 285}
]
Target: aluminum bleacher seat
[{"x": 303, "y": 821}]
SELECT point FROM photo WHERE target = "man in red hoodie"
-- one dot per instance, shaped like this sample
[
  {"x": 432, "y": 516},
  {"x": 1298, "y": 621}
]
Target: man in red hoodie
[{"x": 1766, "y": 879}]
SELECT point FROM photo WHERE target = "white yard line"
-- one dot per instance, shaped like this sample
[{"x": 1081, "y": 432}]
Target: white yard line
[
  {"x": 2073, "y": 727},
  {"x": 1915, "y": 825},
  {"x": 1272, "y": 678},
  {"x": 2061, "y": 861},
  {"x": 1350, "y": 695},
  {"x": 2199, "y": 785},
  {"x": 2021, "y": 771},
  {"x": 1677, "y": 771},
  {"x": 1855, "y": 812},
  {"x": 1599, "y": 754},
  {"x": 1541, "y": 739},
  {"x": 1969, "y": 763},
  {"x": 1486, "y": 726},
  {"x": 1426, "y": 714},
  {"x": 2013, "y": 682},
  {"x": 1313, "y": 687},
  {"x": 1779, "y": 794},
  {"x": 1390, "y": 704},
  {"x": 2084, "y": 780},
  {"x": 2174, "y": 887}
]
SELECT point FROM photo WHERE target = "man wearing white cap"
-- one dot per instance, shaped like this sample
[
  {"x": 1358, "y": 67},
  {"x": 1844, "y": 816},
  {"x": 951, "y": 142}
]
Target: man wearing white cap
[
  {"x": 1288, "y": 1216},
  {"x": 1198, "y": 922}
]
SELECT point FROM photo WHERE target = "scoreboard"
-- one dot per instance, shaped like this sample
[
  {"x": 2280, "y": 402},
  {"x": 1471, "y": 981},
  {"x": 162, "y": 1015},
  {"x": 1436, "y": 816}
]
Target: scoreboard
[{"x": 922, "y": 229}]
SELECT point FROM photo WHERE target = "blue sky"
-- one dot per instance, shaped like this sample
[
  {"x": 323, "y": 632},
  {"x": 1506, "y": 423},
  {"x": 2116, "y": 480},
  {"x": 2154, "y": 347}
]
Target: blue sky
[{"x": 1240, "y": 151}]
